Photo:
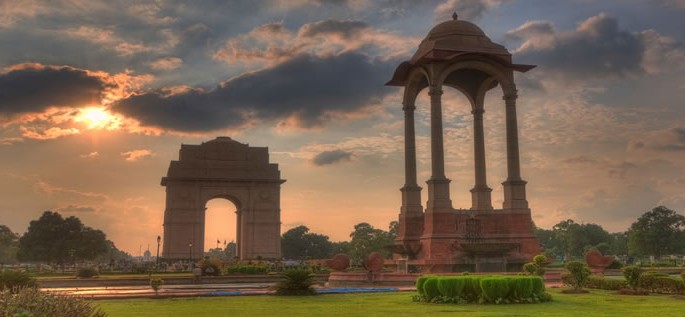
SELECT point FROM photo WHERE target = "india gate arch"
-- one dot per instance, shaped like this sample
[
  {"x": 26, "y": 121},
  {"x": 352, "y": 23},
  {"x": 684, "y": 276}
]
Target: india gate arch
[
  {"x": 457, "y": 54},
  {"x": 222, "y": 168}
]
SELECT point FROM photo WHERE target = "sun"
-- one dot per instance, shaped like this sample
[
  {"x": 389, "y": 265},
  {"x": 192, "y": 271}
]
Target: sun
[{"x": 97, "y": 118}]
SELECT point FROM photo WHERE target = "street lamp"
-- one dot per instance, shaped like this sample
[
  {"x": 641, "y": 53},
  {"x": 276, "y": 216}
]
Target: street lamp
[
  {"x": 190, "y": 253},
  {"x": 159, "y": 240}
]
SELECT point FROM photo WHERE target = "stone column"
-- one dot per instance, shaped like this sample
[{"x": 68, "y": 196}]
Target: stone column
[
  {"x": 411, "y": 212},
  {"x": 514, "y": 186},
  {"x": 438, "y": 184},
  {"x": 480, "y": 194}
]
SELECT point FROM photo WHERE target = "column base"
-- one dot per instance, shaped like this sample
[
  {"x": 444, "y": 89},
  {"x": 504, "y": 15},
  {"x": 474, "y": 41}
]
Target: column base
[
  {"x": 515, "y": 194},
  {"x": 481, "y": 198},
  {"x": 439, "y": 195}
]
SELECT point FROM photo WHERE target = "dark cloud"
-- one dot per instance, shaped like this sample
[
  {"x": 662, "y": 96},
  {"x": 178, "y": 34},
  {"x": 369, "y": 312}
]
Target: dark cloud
[
  {"x": 345, "y": 29},
  {"x": 667, "y": 140},
  {"x": 34, "y": 88},
  {"x": 331, "y": 157},
  {"x": 597, "y": 48},
  {"x": 306, "y": 87}
]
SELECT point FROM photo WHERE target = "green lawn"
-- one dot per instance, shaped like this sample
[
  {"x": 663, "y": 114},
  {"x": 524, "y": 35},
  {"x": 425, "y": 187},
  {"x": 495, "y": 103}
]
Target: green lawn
[{"x": 597, "y": 303}]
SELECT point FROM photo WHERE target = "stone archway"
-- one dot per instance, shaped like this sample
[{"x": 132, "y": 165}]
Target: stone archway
[{"x": 222, "y": 168}]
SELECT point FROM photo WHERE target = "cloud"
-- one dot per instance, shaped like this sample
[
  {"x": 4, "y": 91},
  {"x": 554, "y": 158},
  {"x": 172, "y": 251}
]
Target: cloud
[
  {"x": 666, "y": 140},
  {"x": 167, "y": 63},
  {"x": 272, "y": 43},
  {"x": 90, "y": 155},
  {"x": 466, "y": 9},
  {"x": 136, "y": 155},
  {"x": 331, "y": 157},
  {"x": 305, "y": 87},
  {"x": 47, "y": 134},
  {"x": 75, "y": 209},
  {"x": 34, "y": 87},
  {"x": 596, "y": 48},
  {"x": 13, "y": 11}
]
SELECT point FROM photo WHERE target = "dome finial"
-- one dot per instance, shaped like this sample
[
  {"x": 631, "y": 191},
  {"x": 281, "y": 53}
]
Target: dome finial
[{"x": 454, "y": 16}]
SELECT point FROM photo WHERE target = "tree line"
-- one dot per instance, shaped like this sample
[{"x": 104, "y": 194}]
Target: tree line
[{"x": 57, "y": 240}]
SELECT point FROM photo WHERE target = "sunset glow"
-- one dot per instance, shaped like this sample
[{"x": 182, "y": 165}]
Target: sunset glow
[
  {"x": 98, "y": 118},
  {"x": 97, "y": 97}
]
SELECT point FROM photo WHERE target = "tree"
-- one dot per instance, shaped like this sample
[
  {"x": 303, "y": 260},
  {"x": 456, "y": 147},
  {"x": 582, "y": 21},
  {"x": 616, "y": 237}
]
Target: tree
[
  {"x": 657, "y": 232},
  {"x": 299, "y": 243},
  {"x": 54, "y": 239},
  {"x": 575, "y": 239},
  {"x": 367, "y": 239},
  {"x": 9, "y": 242}
]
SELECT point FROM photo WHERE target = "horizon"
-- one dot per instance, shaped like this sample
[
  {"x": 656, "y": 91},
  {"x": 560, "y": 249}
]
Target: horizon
[{"x": 98, "y": 97}]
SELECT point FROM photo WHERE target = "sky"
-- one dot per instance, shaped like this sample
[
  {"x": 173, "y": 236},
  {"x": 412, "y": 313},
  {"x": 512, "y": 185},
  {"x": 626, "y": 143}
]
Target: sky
[{"x": 97, "y": 96}]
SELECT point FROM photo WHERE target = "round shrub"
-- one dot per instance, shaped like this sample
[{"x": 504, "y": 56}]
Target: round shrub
[
  {"x": 632, "y": 274},
  {"x": 472, "y": 289},
  {"x": 522, "y": 287},
  {"x": 540, "y": 260},
  {"x": 419, "y": 284},
  {"x": 210, "y": 267},
  {"x": 495, "y": 289},
  {"x": 451, "y": 286},
  {"x": 87, "y": 272},
  {"x": 430, "y": 288},
  {"x": 530, "y": 268},
  {"x": 579, "y": 274}
]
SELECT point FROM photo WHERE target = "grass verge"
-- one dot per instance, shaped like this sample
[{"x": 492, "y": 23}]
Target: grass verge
[{"x": 596, "y": 303}]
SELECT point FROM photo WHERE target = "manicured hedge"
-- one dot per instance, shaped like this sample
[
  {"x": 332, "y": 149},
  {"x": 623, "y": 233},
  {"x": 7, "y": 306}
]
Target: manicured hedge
[
  {"x": 481, "y": 289},
  {"x": 246, "y": 269}
]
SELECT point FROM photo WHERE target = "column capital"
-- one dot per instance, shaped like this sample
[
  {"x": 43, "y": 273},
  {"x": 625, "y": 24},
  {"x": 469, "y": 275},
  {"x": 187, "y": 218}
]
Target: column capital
[
  {"x": 477, "y": 111},
  {"x": 408, "y": 107},
  {"x": 511, "y": 96},
  {"x": 435, "y": 90}
]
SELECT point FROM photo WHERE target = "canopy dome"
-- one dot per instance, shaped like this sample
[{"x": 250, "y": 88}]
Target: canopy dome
[{"x": 457, "y": 36}]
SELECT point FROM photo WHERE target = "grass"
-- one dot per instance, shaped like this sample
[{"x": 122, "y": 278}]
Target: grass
[{"x": 596, "y": 303}]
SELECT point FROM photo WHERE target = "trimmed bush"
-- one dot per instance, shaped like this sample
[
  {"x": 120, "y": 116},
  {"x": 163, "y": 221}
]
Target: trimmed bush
[
  {"x": 481, "y": 289},
  {"x": 451, "y": 286},
  {"x": 523, "y": 287},
  {"x": 611, "y": 284},
  {"x": 156, "y": 283},
  {"x": 657, "y": 282},
  {"x": 530, "y": 268},
  {"x": 210, "y": 267},
  {"x": 32, "y": 302},
  {"x": 430, "y": 288},
  {"x": 579, "y": 272},
  {"x": 632, "y": 274},
  {"x": 15, "y": 279},
  {"x": 296, "y": 281},
  {"x": 495, "y": 289},
  {"x": 87, "y": 272},
  {"x": 246, "y": 269},
  {"x": 419, "y": 284}
]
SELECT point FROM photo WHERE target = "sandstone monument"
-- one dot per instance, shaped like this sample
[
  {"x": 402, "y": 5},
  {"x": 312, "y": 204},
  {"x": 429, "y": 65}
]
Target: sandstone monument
[
  {"x": 458, "y": 54},
  {"x": 223, "y": 168}
]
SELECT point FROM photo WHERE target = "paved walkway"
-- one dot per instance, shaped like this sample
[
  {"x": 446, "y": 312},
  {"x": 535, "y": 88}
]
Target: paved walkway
[{"x": 115, "y": 292}]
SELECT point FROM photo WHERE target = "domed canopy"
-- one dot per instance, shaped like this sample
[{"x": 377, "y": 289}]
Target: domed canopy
[
  {"x": 457, "y": 36},
  {"x": 454, "y": 39}
]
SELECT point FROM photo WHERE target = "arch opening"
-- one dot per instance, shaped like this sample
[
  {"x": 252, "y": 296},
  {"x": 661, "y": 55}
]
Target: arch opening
[{"x": 221, "y": 228}]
